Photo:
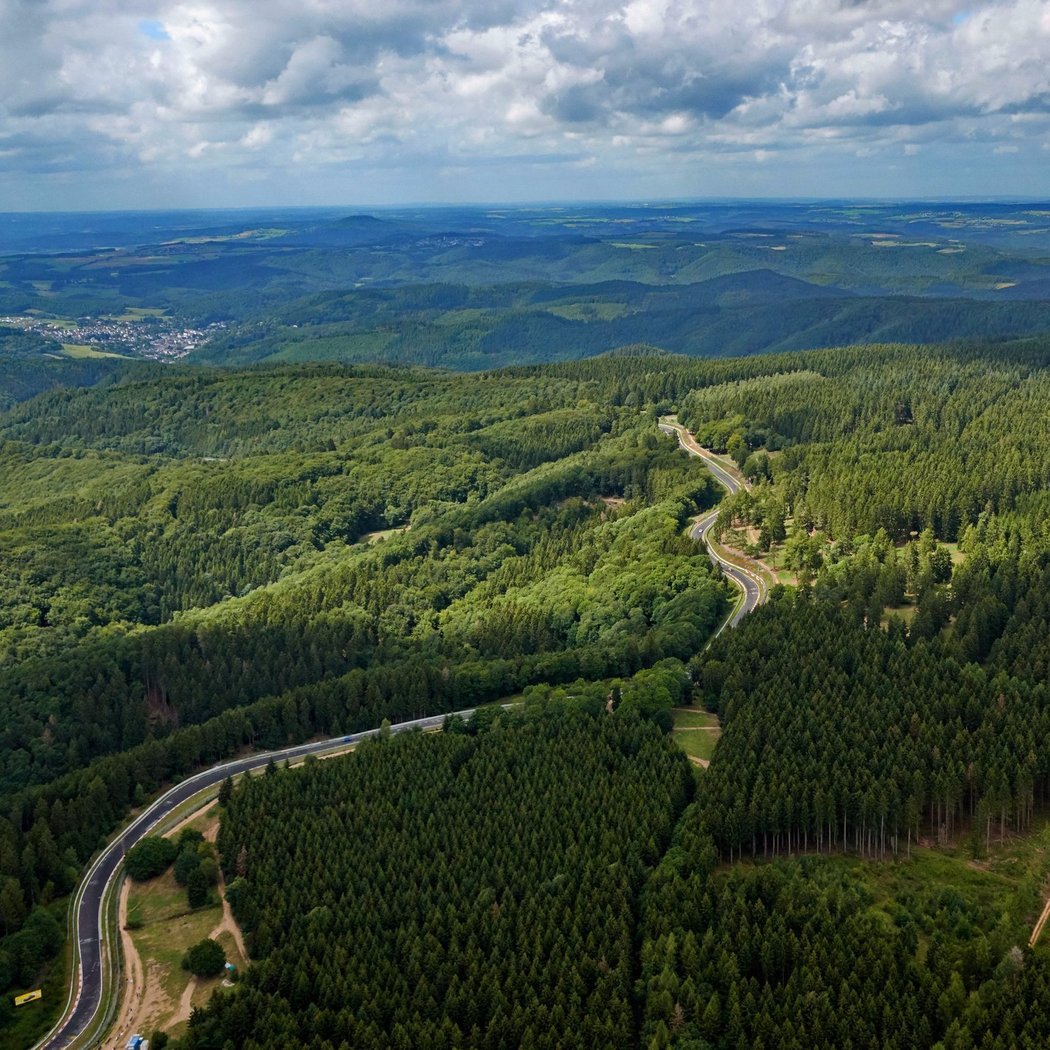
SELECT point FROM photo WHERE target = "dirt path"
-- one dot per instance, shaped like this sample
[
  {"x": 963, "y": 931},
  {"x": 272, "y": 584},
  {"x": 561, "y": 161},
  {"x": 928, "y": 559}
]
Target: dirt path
[
  {"x": 143, "y": 1000},
  {"x": 1039, "y": 925},
  {"x": 228, "y": 923},
  {"x": 703, "y": 763},
  {"x": 145, "y": 1005},
  {"x": 185, "y": 1007}
]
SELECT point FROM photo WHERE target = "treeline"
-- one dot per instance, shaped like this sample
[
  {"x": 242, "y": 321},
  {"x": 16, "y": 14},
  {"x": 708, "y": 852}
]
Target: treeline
[{"x": 466, "y": 890}]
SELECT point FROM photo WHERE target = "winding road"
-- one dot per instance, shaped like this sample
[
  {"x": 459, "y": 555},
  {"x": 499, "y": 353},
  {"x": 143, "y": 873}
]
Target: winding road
[
  {"x": 85, "y": 998},
  {"x": 751, "y": 583}
]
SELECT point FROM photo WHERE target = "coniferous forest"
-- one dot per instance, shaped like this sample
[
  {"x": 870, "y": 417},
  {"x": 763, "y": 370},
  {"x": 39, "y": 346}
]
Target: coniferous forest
[
  {"x": 482, "y": 893},
  {"x": 198, "y": 561}
]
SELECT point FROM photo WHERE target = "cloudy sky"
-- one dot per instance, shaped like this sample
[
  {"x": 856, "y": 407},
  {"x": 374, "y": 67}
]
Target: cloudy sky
[{"x": 121, "y": 103}]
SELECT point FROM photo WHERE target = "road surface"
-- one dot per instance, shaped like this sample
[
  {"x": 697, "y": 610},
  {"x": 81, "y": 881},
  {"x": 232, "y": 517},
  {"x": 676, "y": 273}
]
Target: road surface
[
  {"x": 85, "y": 998},
  {"x": 751, "y": 583}
]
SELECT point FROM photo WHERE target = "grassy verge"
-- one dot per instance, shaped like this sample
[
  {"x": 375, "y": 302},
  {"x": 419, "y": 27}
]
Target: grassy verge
[{"x": 742, "y": 561}]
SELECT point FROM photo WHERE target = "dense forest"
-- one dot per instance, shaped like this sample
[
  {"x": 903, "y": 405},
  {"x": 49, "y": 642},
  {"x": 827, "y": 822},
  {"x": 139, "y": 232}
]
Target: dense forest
[
  {"x": 865, "y": 440},
  {"x": 468, "y": 327},
  {"x": 201, "y": 560},
  {"x": 481, "y": 894},
  {"x": 31, "y": 363}
]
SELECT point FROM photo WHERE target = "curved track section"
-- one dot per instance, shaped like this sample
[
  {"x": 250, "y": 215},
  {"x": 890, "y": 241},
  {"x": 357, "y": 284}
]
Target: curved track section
[
  {"x": 85, "y": 999},
  {"x": 750, "y": 583}
]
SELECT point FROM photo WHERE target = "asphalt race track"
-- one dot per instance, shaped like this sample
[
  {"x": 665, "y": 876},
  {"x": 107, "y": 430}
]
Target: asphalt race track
[
  {"x": 751, "y": 583},
  {"x": 86, "y": 998}
]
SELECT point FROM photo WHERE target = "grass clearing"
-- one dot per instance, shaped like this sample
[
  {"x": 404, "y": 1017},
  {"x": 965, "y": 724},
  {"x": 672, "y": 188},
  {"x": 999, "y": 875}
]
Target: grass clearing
[
  {"x": 137, "y": 313},
  {"x": 1000, "y": 893},
  {"x": 589, "y": 311},
  {"x": 906, "y": 613},
  {"x": 168, "y": 928},
  {"x": 697, "y": 743},
  {"x": 382, "y": 534},
  {"x": 694, "y": 718},
  {"x": 82, "y": 350},
  {"x": 1006, "y": 888}
]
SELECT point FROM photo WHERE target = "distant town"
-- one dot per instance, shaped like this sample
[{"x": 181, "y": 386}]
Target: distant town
[{"x": 138, "y": 334}]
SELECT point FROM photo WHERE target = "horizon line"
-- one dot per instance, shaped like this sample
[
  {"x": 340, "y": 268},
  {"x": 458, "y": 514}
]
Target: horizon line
[{"x": 553, "y": 202}]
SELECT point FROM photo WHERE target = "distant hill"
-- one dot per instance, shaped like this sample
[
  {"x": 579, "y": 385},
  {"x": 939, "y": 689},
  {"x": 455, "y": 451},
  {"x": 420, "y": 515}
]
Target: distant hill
[
  {"x": 471, "y": 328},
  {"x": 473, "y": 288}
]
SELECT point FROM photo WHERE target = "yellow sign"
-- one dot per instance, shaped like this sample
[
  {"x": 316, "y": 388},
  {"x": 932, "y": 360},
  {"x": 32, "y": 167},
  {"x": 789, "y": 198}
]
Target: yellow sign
[{"x": 21, "y": 1000}]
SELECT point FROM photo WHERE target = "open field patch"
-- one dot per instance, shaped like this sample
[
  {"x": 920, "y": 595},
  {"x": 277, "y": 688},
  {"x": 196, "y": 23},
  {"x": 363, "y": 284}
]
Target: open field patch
[
  {"x": 693, "y": 718},
  {"x": 158, "y": 928}
]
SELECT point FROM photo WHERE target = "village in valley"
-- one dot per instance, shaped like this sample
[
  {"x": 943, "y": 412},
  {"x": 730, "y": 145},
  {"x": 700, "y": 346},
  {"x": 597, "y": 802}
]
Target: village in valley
[{"x": 148, "y": 334}]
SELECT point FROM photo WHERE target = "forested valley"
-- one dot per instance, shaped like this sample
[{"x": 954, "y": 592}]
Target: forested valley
[{"x": 198, "y": 561}]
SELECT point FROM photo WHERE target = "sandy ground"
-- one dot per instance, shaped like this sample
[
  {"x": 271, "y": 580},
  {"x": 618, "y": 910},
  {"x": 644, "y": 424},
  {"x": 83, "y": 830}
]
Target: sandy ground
[
  {"x": 1039, "y": 925},
  {"x": 228, "y": 924},
  {"x": 145, "y": 1005},
  {"x": 382, "y": 534},
  {"x": 141, "y": 998}
]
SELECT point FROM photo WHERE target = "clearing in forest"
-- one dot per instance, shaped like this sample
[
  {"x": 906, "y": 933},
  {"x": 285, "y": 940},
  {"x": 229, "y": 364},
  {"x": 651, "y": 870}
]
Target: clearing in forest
[
  {"x": 696, "y": 732},
  {"x": 158, "y": 993}
]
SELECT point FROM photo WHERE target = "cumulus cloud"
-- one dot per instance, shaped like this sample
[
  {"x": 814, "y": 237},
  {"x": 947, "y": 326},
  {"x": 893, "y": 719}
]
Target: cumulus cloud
[{"x": 318, "y": 88}]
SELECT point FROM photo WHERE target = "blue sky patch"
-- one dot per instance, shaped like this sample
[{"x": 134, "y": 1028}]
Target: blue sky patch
[{"x": 150, "y": 27}]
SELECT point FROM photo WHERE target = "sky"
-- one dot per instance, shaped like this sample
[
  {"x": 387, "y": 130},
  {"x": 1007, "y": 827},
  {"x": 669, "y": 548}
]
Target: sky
[{"x": 110, "y": 104}]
